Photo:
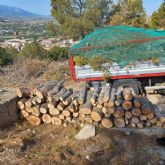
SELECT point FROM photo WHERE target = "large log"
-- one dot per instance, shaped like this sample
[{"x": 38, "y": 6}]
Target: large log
[
  {"x": 44, "y": 108},
  {"x": 46, "y": 118},
  {"x": 136, "y": 111},
  {"x": 24, "y": 113},
  {"x": 136, "y": 102},
  {"x": 24, "y": 92},
  {"x": 57, "y": 88},
  {"x": 128, "y": 114},
  {"x": 54, "y": 111},
  {"x": 35, "y": 111},
  {"x": 95, "y": 95},
  {"x": 107, "y": 122},
  {"x": 34, "y": 120},
  {"x": 29, "y": 103},
  {"x": 97, "y": 114},
  {"x": 56, "y": 121},
  {"x": 29, "y": 110},
  {"x": 147, "y": 108},
  {"x": 21, "y": 103},
  {"x": 61, "y": 106},
  {"x": 82, "y": 95},
  {"x": 101, "y": 95},
  {"x": 107, "y": 94},
  {"x": 135, "y": 119},
  {"x": 87, "y": 107},
  {"x": 119, "y": 112},
  {"x": 119, "y": 93},
  {"x": 68, "y": 101},
  {"x": 68, "y": 93},
  {"x": 127, "y": 94},
  {"x": 127, "y": 105},
  {"x": 158, "y": 114},
  {"x": 43, "y": 91},
  {"x": 143, "y": 117},
  {"x": 120, "y": 123},
  {"x": 66, "y": 113},
  {"x": 111, "y": 102}
]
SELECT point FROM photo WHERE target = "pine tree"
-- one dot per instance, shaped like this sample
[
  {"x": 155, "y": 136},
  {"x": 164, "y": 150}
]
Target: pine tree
[
  {"x": 158, "y": 18},
  {"x": 129, "y": 12},
  {"x": 77, "y": 18}
]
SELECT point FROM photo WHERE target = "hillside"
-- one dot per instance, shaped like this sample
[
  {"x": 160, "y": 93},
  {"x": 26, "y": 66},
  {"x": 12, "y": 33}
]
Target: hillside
[{"x": 14, "y": 12}]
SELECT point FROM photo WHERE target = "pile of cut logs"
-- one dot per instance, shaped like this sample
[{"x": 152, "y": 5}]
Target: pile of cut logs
[{"x": 52, "y": 103}]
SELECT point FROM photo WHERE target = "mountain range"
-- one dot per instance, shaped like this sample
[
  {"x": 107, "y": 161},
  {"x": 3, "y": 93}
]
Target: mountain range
[{"x": 14, "y": 12}]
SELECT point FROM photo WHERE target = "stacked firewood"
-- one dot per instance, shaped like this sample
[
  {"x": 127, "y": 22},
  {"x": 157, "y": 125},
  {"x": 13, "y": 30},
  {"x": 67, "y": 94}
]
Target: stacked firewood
[{"x": 53, "y": 103}]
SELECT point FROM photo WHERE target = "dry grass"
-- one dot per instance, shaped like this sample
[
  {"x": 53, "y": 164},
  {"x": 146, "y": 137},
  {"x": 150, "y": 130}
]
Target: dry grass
[
  {"x": 57, "y": 71},
  {"x": 27, "y": 71}
]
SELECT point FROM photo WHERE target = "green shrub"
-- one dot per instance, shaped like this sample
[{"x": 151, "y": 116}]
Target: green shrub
[
  {"x": 58, "y": 53},
  {"x": 7, "y": 55},
  {"x": 80, "y": 60},
  {"x": 34, "y": 50}
]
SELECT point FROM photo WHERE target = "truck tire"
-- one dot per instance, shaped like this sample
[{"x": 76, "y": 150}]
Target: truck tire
[{"x": 133, "y": 83}]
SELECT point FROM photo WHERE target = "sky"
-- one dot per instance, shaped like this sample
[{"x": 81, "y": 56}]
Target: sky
[{"x": 43, "y": 6}]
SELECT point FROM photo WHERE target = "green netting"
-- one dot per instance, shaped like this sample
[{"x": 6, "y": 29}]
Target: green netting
[{"x": 123, "y": 44}]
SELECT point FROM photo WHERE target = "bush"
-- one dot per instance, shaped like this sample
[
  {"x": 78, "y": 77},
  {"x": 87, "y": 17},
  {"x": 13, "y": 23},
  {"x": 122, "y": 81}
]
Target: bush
[
  {"x": 7, "y": 55},
  {"x": 34, "y": 50},
  {"x": 80, "y": 60},
  {"x": 58, "y": 53}
]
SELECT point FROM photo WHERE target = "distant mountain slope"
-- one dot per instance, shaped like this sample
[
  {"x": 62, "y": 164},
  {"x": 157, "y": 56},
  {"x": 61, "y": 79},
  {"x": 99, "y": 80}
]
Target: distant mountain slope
[{"x": 14, "y": 12}]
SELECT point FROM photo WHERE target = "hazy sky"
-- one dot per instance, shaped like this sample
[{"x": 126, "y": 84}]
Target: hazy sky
[{"x": 43, "y": 6}]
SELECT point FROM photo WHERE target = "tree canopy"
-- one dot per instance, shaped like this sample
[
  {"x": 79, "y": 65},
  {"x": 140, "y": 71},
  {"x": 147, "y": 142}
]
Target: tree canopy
[
  {"x": 129, "y": 12},
  {"x": 158, "y": 17},
  {"x": 76, "y": 18}
]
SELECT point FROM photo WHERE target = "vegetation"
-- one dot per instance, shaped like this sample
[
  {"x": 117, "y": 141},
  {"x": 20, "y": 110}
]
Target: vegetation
[
  {"x": 158, "y": 18},
  {"x": 7, "y": 55},
  {"x": 78, "y": 18},
  {"x": 129, "y": 12},
  {"x": 80, "y": 60}
]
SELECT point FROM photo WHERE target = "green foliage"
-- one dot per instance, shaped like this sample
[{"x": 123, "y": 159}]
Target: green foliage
[
  {"x": 96, "y": 62},
  {"x": 158, "y": 18},
  {"x": 34, "y": 50},
  {"x": 7, "y": 55},
  {"x": 129, "y": 12},
  {"x": 58, "y": 53},
  {"x": 78, "y": 18},
  {"x": 80, "y": 60}
]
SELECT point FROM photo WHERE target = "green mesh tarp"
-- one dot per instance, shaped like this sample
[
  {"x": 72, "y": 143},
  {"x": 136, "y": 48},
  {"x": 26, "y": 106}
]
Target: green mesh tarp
[{"x": 123, "y": 44}]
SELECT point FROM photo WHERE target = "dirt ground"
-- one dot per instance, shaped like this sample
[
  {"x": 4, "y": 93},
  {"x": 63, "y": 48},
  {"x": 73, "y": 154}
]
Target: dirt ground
[{"x": 23, "y": 144}]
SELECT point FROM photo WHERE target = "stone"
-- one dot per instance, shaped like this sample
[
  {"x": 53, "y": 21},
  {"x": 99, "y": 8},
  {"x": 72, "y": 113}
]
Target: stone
[{"x": 86, "y": 132}]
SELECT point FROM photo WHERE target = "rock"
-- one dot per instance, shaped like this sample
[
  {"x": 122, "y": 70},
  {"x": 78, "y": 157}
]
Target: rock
[{"x": 86, "y": 132}]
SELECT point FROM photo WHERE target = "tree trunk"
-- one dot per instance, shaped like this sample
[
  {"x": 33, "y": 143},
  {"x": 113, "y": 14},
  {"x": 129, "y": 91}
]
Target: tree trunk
[
  {"x": 21, "y": 103},
  {"x": 86, "y": 108},
  {"x": 66, "y": 113}
]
